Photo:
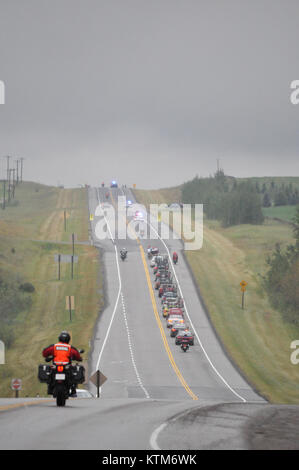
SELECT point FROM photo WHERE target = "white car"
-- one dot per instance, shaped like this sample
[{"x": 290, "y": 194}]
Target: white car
[
  {"x": 82, "y": 393},
  {"x": 138, "y": 216}
]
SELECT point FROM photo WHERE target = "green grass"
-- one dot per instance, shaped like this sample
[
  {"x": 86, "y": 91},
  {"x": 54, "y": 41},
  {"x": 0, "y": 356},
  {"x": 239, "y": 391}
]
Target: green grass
[
  {"x": 286, "y": 213},
  {"x": 256, "y": 338},
  {"x": 33, "y": 261}
]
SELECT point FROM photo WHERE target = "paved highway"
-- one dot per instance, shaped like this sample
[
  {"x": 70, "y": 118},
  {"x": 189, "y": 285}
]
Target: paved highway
[
  {"x": 135, "y": 357},
  {"x": 151, "y": 382}
]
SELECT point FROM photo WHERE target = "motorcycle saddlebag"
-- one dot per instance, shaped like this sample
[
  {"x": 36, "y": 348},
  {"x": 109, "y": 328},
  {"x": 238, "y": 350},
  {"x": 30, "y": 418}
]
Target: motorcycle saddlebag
[
  {"x": 78, "y": 374},
  {"x": 44, "y": 373}
]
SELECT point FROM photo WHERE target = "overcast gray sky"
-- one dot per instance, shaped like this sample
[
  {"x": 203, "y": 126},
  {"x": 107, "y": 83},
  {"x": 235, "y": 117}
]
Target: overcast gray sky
[{"x": 150, "y": 92}]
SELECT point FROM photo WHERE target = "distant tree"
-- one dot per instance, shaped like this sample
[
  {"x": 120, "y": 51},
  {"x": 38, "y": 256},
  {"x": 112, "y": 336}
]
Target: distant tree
[
  {"x": 267, "y": 200},
  {"x": 239, "y": 205},
  {"x": 280, "y": 198},
  {"x": 282, "y": 278},
  {"x": 242, "y": 206}
]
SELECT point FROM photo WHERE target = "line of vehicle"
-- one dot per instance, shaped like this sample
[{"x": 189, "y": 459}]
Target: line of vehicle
[
  {"x": 120, "y": 294},
  {"x": 155, "y": 309},
  {"x": 165, "y": 342}
]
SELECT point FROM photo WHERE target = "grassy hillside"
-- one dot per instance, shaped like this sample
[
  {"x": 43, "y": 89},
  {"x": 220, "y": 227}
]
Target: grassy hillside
[
  {"x": 30, "y": 233},
  {"x": 256, "y": 338}
]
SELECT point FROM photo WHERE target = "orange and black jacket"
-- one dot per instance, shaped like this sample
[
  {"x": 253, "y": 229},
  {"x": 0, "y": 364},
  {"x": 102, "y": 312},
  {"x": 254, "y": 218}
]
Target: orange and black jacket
[{"x": 63, "y": 353}]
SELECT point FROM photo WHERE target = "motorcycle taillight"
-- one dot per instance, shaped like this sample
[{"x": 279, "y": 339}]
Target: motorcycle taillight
[{"x": 60, "y": 368}]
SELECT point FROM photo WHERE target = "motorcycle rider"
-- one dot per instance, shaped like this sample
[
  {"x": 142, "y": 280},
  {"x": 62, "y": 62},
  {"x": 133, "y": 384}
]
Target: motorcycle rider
[
  {"x": 165, "y": 311},
  {"x": 185, "y": 339},
  {"x": 123, "y": 252},
  {"x": 175, "y": 257},
  {"x": 62, "y": 353}
]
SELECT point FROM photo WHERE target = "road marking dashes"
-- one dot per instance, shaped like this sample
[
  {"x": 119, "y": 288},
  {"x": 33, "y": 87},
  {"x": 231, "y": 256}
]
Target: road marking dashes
[{"x": 131, "y": 349}]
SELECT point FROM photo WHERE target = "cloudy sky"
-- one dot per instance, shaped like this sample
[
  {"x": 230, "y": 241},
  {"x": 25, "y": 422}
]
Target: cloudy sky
[{"x": 150, "y": 92}]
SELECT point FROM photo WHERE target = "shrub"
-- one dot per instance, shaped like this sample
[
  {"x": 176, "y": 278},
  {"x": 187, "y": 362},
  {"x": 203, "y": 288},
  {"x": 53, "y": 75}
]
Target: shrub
[{"x": 27, "y": 287}]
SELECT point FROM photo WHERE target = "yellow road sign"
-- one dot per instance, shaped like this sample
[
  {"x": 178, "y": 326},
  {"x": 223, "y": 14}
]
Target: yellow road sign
[
  {"x": 98, "y": 378},
  {"x": 91, "y": 217},
  {"x": 243, "y": 283}
]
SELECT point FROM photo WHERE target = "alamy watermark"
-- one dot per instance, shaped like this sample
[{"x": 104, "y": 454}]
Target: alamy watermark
[
  {"x": 295, "y": 354},
  {"x": 2, "y": 352},
  {"x": 123, "y": 222},
  {"x": 294, "y": 97},
  {"x": 2, "y": 92}
]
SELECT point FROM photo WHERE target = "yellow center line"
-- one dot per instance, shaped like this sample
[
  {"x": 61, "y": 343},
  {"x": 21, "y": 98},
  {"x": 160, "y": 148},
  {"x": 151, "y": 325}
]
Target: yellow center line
[
  {"x": 166, "y": 345},
  {"x": 158, "y": 320}
]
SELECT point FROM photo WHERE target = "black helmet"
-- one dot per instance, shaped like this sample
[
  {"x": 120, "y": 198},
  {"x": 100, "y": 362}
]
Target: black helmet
[{"x": 64, "y": 337}]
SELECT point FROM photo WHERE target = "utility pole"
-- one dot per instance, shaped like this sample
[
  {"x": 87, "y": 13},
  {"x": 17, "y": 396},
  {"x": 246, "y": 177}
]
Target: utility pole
[
  {"x": 59, "y": 261},
  {"x": 8, "y": 176},
  {"x": 13, "y": 182},
  {"x": 8, "y": 185},
  {"x": 73, "y": 243},
  {"x": 21, "y": 160},
  {"x": 7, "y": 168},
  {"x": 17, "y": 162}
]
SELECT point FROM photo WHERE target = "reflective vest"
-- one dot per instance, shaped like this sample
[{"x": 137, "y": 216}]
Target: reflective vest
[{"x": 62, "y": 353}]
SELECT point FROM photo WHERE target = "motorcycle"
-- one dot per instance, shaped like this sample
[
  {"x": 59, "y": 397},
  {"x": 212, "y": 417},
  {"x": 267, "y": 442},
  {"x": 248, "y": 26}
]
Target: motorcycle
[
  {"x": 123, "y": 255},
  {"x": 175, "y": 259},
  {"x": 60, "y": 378},
  {"x": 184, "y": 346}
]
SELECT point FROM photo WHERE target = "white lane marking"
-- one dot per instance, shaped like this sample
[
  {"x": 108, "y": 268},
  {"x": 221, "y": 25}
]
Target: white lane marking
[
  {"x": 131, "y": 349},
  {"x": 120, "y": 294},
  {"x": 195, "y": 332},
  {"x": 154, "y": 436}
]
